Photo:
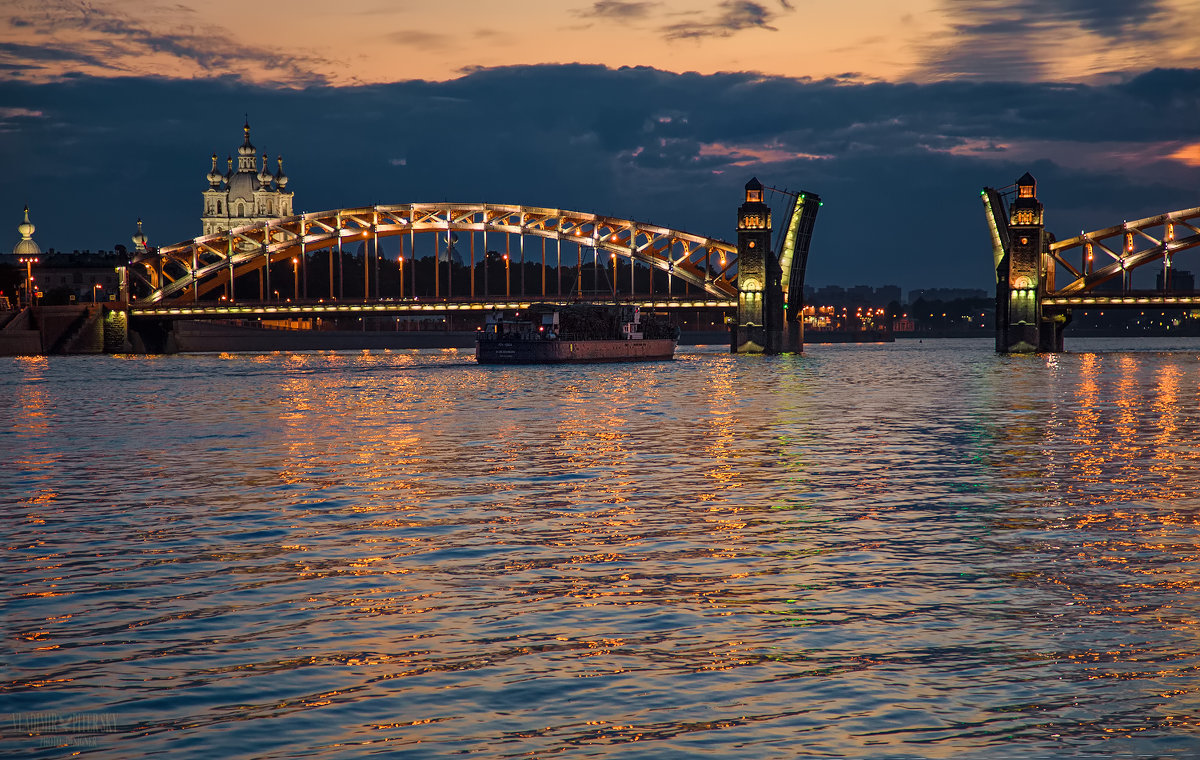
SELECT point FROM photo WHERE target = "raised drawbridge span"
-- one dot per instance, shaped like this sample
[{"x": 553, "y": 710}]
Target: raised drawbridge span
[
  {"x": 1095, "y": 268},
  {"x": 203, "y": 268}
]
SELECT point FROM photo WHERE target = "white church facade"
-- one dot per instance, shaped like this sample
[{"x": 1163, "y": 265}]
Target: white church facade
[{"x": 250, "y": 194}]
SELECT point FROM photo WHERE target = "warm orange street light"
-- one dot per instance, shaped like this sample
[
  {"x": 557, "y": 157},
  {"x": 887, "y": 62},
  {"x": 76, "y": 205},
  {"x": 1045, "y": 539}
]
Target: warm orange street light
[
  {"x": 400, "y": 263},
  {"x": 507, "y": 292},
  {"x": 28, "y": 261},
  {"x": 614, "y": 275},
  {"x": 95, "y": 287},
  {"x": 295, "y": 279}
]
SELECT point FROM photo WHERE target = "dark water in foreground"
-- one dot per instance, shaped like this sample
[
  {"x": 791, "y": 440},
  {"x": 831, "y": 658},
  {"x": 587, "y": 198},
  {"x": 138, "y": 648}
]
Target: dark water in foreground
[{"x": 900, "y": 551}]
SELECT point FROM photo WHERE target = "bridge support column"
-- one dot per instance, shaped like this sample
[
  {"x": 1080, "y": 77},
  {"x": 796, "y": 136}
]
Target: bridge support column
[
  {"x": 793, "y": 335},
  {"x": 152, "y": 336},
  {"x": 759, "y": 328},
  {"x": 115, "y": 329}
]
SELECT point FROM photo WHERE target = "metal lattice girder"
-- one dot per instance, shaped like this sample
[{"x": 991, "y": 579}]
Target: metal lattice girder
[
  {"x": 197, "y": 266},
  {"x": 1134, "y": 247}
]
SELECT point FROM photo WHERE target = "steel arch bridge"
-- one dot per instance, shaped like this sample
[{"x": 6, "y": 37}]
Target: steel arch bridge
[
  {"x": 1093, "y": 258},
  {"x": 1032, "y": 309},
  {"x": 189, "y": 271},
  {"x": 1123, "y": 248}
]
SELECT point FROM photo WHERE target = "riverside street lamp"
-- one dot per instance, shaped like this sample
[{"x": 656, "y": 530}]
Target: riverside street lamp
[{"x": 28, "y": 261}]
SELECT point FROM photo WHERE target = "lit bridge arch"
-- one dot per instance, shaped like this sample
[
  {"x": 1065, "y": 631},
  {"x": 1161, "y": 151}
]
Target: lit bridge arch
[
  {"x": 188, "y": 271},
  {"x": 1093, "y": 258}
]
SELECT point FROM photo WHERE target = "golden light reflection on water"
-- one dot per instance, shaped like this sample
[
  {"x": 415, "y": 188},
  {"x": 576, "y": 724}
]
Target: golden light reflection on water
[
  {"x": 704, "y": 557},
  {"x": 1103, "y": 425}
]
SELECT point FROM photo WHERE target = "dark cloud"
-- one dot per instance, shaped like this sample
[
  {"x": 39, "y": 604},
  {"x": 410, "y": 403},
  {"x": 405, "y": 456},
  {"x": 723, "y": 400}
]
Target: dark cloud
[
  {"x": 618, "y": 9},
  {"x": 900, "y": 171},
  {"x": 734, "y": 16},
  {"x": 26, "y": 56},
  {"x": 1008, "y": 38},
  {"x": 421, "y": 40}
]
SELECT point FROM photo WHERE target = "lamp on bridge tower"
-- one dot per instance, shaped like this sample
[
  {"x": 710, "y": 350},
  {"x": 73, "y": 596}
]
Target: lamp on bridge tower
[{"x": 759, "y": 326}]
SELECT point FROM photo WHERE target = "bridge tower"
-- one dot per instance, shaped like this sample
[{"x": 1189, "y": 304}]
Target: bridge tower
[
  {"x": 1023, "y": 276},
  {"x": 759, "y": 326}
]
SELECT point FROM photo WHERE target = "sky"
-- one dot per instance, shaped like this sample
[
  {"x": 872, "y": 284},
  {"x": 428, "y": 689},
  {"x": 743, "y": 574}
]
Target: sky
[{"x": 896, "y": 113}]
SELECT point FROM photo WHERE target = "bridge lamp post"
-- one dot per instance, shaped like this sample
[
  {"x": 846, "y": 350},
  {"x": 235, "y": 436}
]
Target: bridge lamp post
[
  {"x": 613, "y": 258},
  {"x": 507, "y": 290},
  {"x": 400, "y": 264},
  {"x": 28, "y": 261},
  {"x": 295, "y": 279}
]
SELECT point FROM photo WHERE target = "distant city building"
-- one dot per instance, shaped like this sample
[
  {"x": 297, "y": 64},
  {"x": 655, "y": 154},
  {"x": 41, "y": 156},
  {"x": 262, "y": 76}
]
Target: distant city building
[
  {"x": 887, "y": 294},
  {"x": 1181, "y": 281},
  {"x": 858, "y": 295},
  {"x": 947, "y": 294},
  {"x": 251, "y": 194},
  {"x": 80, "y": 276}
]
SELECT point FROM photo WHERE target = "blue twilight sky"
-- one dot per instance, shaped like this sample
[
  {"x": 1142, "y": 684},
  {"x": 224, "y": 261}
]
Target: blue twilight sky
[{"x": 896, "y": 113}]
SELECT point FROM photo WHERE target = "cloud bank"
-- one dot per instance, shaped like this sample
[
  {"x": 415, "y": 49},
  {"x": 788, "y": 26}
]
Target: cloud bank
[{"x": 898, "y": 165}]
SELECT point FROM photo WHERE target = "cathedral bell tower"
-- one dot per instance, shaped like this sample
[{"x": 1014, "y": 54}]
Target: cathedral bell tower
[{"x": 759, "y": 326}]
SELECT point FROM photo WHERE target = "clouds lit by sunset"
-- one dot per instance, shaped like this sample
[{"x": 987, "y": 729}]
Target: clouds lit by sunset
[
  {"x": 650, "y": 109},
  {"x": 316, "y": 42}
]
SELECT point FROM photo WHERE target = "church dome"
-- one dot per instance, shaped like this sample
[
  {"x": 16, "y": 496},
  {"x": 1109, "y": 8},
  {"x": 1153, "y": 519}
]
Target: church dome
[
  {"x": 281, "y": 179},
  {"x": 139, "y": 237},
  {"x": 264, "y": 176},
  {"x": 214, "y": 177},
  {"x": 247, "y": 148},
  {"x": 242, "y": 186},
  {"x": 25, "y": 246}
]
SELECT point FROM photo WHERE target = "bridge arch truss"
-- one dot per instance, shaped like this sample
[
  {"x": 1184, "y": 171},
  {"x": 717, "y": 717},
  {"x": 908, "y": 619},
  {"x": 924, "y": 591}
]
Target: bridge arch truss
[
  {"x": 190, "y": 270},
  {"x": 1093, "y": 258}
]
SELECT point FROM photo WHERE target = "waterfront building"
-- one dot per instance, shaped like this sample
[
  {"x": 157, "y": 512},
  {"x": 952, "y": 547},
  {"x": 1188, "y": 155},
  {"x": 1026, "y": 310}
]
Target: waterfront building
[
  {"x": 245, "y": 196},
  {"x": 56, "y": 277}
]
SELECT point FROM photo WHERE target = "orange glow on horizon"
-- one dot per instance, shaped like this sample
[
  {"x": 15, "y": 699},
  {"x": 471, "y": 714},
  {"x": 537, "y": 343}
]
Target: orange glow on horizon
[
  {"x": 1188, "y": 155},
  {"x": 858, "y": 40}
]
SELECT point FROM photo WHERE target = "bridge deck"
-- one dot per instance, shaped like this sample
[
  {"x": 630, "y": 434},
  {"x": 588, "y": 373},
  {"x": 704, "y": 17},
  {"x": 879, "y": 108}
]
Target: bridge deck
[
  {"x": 284, "y": 310},
  {"x": 1129, "y": 300}
]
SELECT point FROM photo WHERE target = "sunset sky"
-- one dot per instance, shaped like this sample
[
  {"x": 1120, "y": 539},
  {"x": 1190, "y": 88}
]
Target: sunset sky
[{"x": 895, "y": 112}]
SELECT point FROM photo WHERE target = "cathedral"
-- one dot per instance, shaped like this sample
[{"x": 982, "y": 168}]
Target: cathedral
[{"x": 247, "y": 195}]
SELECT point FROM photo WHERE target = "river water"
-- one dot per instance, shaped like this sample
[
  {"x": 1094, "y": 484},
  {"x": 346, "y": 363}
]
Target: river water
[{"x": 916, "y": 550}]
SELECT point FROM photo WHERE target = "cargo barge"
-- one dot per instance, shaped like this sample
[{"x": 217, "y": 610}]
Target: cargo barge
[{"x": 546, "y": 334}]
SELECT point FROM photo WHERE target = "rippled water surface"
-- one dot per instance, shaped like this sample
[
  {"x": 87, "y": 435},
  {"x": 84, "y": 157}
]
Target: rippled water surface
[{"x": 917, "y": 550}]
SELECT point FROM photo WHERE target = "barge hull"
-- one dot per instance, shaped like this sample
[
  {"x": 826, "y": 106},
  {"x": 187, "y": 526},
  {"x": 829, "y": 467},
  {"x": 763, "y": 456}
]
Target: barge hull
[{"x": 569, "y": 351}]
